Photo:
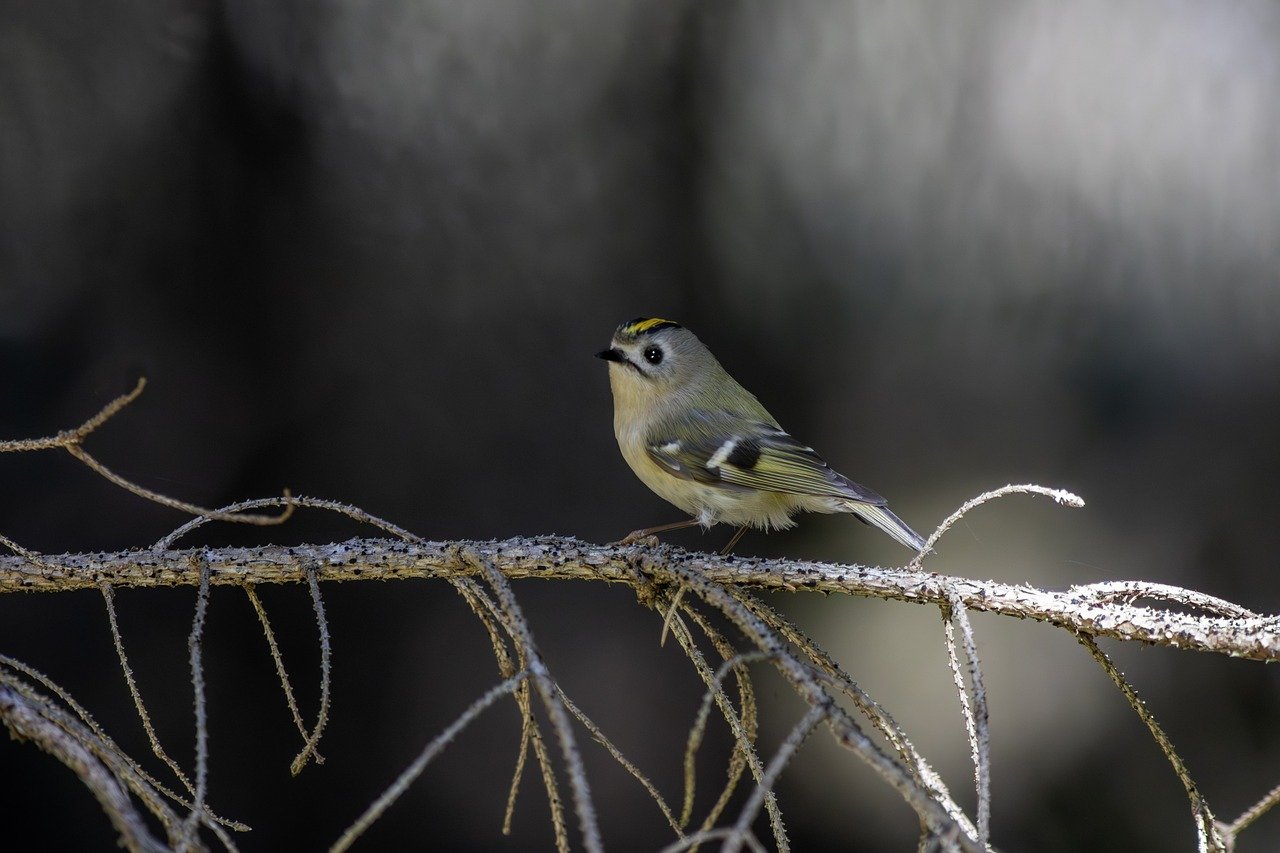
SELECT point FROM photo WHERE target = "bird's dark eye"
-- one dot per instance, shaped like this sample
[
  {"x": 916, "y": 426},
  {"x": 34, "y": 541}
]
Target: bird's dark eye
[{"x": 653, "y": 355}]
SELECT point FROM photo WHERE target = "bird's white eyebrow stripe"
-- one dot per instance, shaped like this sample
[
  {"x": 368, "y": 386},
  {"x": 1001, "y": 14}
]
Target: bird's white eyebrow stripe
[{"x": 717, "y": 458}]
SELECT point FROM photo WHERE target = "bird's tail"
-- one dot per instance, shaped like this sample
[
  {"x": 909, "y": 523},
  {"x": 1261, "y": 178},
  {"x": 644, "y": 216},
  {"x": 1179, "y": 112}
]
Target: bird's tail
[{"x": 881, "y": 517}]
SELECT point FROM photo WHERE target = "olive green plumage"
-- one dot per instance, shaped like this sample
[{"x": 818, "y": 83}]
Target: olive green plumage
[{"x": 705, "y": 444}]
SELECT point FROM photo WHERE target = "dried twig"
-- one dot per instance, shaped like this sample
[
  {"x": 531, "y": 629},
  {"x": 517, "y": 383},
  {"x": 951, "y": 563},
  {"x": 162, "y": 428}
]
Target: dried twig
[
  {"x": 1062, "y": 496},
  {"x": 281, "y": 673},
  {"x": 1232, "y": 830},
  {"x": 29, "y": 720},
  {"x": 195, "y": 646},
  {"x": 777, "y": 764},
  {"x": 515, "y": 623},
  {"x": 1130, "y": 591},
  {"x": 1207, "y": 830},
  {"x": 691, "y": 842},
  {"x": 108, "y": 597},
  {"x": 715, "y": 693},
  {"x": 92, "y": 737},
  {"x": 742, "y": 727},
  {"x": 322, "y": 716},
  {"x": 626, "y": 763},
  {"x": 70, "y": 441},
  {"x": 975, "y": 714},
  {"x": 935, "y": 817},
  {"x": 414, "y": 770}
]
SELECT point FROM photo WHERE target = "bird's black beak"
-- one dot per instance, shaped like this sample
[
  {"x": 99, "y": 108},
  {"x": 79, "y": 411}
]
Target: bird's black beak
[{"x": 611, "y": 355}]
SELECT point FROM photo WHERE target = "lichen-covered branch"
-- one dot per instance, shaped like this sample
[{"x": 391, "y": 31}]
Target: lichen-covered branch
[{"x": 563, "y": 558}]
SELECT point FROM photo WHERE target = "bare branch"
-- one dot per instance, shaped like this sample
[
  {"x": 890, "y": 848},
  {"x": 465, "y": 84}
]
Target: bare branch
[
  {"x": 1210, "y": 837},
  {"x": 322, "y": 716},
  {"x": 108, "y": 597},
  {"x": 541, "y": 675},
  {"x": 281, "y": 672},
  {"x": 697, "y": 838},
  {"x": 91, "y": 735},
  {"x": 715, "y": 693},
  {"x": 414, "y": 770},
  {"x": 25, "y": 719},
  {"x": 195, "y": 646},
  {"x": 565, "y": 558},
  {"x": 530, "y": 733},
  {"x": 975, "y": 715},
  {"x": 781, "y": 758},
  {"x": 840, "y": 680},
  {"x": 742, "y": 727},
  {"x": 1131, "y": 591},
  {"x": 70, "y": 441},
  {"x": 1062, "y": 496},
  {"x": 932, "y": 813},
  {"x": 74, "y": 436},
  {"x": 626, "y": 763},
  {"x": 164, "y": 500},
  {"x": 1257, "y": 810}
]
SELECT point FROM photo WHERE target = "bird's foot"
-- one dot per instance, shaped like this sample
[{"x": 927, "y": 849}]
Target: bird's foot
[{"x": 641, "y": 537}]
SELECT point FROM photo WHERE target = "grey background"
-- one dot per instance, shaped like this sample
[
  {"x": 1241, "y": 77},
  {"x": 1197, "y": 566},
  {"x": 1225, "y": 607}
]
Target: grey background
[{"x": 365, "y": 251}]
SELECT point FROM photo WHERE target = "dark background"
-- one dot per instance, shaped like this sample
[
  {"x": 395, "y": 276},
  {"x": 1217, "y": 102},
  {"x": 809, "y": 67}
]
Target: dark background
[{"x": 365, "y": 251}]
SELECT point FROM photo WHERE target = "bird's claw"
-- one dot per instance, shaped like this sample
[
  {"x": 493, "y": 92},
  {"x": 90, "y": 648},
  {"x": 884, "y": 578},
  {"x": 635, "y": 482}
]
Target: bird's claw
[{"x": 641, "y": 537}]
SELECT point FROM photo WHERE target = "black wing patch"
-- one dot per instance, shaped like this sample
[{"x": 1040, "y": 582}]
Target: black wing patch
[{"x": 764, "y": 459}]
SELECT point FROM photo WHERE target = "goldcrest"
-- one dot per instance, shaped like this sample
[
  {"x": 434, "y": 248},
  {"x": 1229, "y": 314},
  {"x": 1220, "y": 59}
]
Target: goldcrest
[{"x": 704, "y": 444}]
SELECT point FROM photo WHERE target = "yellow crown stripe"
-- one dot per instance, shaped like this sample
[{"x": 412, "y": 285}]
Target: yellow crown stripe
[{"x": 637, "y": 327}]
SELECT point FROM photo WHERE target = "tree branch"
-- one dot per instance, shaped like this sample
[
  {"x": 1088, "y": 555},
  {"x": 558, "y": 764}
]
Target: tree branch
[{"x": 564, "y": 558}]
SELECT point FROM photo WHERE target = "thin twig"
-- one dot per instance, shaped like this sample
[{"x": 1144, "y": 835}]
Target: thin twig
[
  {"x": 530, "y": 733},
  {"x": 744, "y": 748},
  {"x": 27, "y": 723},
  {"x": 691, "y": 842},
  {"x": 70, "y": 441},
  {"x": 1206, "y": 828},
  {"x": 742, "y": 728},
  {"x": 281, "y": 673},
  {"x": 322, "y": 716},
  {"x": 626, "y": 763},
  {"x": 288, "y": 502},
  {"x": 699, "y": 728},
  {"x": 1062, "y": 496},
  {"x": 840, "y": 680},
  {"x": 414, "y": 770},
  {"x": 975, "y": 716},
  {"x": 164, "y": 500},
  {"x": 108, "y": 596},
  {"x": 1252, "y": 813},
  {"x": 848, "y": 734},
  {"x": 195, "y": 646},
  {"x": 71, "y": 436},
  {"x": 102, "y": 745},
  {"x": 671, "y": 614},
  {"x": 777, "y": 764},
  {"x": 1130, "y": 591},
  {"x": 545, "y": 684}
]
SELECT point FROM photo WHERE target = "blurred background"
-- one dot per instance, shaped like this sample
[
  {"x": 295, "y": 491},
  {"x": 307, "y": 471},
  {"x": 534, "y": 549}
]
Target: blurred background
[{"x": 365, "y": 252}]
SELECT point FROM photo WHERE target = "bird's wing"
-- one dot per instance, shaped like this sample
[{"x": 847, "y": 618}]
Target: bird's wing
[{"x": 719, "y": 449}]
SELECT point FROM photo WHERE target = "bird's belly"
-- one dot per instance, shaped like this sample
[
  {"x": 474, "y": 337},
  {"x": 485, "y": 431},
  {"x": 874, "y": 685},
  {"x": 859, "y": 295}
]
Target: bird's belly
[
  {"x": 712, "y": 504},
  {"x": 765, "y": 510}
]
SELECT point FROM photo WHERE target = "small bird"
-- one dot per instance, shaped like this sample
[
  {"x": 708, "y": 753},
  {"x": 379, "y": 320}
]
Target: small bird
[{"x": 704, "y": 443}]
